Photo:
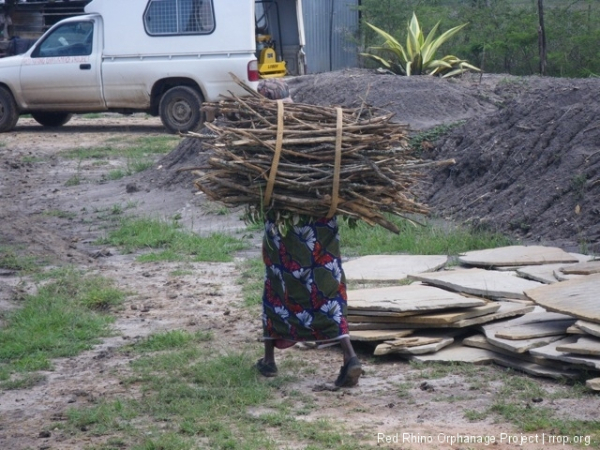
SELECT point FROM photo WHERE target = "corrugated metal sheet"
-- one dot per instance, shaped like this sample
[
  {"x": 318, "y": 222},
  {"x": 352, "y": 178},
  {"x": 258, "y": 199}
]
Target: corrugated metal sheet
[{"x": 330, "y": 26}]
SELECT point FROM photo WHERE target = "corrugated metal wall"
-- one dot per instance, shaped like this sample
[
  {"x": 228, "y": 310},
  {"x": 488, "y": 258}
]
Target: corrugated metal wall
[{"x": 330, "y": 28}]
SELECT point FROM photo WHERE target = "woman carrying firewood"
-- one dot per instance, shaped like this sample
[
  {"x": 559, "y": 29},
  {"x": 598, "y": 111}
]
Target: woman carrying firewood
[{"x": 304, "y": 298}]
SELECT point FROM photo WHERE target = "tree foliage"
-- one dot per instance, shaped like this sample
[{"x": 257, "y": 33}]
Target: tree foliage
[{"x": 502, "y": 35}]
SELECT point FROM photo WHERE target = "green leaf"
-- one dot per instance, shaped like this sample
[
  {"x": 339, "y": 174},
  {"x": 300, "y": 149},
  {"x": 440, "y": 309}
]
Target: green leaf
[
  {"x": 435, "y": 45},
  {"x": 418, "y": 58},
  {"x": 453, "y": 73}
]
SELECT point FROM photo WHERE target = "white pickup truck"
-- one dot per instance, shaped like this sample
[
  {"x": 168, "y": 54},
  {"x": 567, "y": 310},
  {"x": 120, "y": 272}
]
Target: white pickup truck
[{"x": 162, "y": 57}]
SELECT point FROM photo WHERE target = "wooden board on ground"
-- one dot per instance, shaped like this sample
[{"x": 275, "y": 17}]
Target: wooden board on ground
[
  {"x": 535, "y": 369},
  {"x": 358, "y": 318},
  {"x": 536, "y": 330},
  {"x": 586, "y": 268},
  {"x": 377, "y": 335},
  {"x": 531, "y": 319},
  {"x": 433, "y": 319},
  {"x": 593, "y": 384},
  {"x": 528, "y": 320},
  {"x": 560, "y": 276},
  {"x": 391, "y": 267},
  {"x": 378, "y": 326},
  {"x": 517, "y": 255},
  {"x": 412, "y": 341},
  {"x": 583, "y": 346},
  {"x": 549, "y": 351},
  {"x": 556, "y": 369},
  {"x": 578, "y": 297},
  {"x": 407, "y": 298},
  {"x": 523, "y": 361},
  {"x": 432, "y": 347},
  {"x": 589, "y": 327},
  {"x": 370, "y": 313},
  {"x": 444, "y": 318},
  {"x": 574, "y": 329},
  {"x": 480, "y": 282},
  {"x": 457, "y": 353},
  {"x": 543, "y": 273},
  {"x": 523, "y": 345},
  {"x": 506, "y": 310},
  {"x": 480, "y": 341}
]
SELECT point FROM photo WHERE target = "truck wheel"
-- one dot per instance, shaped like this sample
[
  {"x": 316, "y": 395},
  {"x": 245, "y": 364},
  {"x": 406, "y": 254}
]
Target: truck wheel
[
  {"x": 8, "y": 111},
  {"x": 51, "y": 119},
  {"x": 179, "y": 109}
]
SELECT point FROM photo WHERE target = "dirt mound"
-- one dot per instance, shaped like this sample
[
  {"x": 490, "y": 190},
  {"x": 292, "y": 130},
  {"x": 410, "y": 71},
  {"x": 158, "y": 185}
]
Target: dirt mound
[
  {"x": 528, "y": 153},
  {"x": 421, "y": 102},
  {"x": 532, "y": 168},
  {"x": 171, "y": 170}
]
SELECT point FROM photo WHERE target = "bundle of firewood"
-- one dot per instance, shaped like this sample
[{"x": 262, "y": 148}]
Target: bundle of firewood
[{"x": 310, "y": 160}]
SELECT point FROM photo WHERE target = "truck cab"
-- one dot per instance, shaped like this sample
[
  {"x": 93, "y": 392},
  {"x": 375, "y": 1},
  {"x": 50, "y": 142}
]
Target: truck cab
[{"x": 162, "y": 57}]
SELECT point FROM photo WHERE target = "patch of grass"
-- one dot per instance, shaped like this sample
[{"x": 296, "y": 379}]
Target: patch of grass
[
  {"x": 139, "y": 154},
  {"x": 474, "y": 416},
  {"x": 117, "y": 174},
  {"x": 192, "y": 395},
  {"x": 22, "y": 381},
  {"x": 441, "y": 370},
  {"x": 578, "y": 183},
  {"x": 171, "y": 340},
  {"x": 62, "y": 319},
  {"x": 135, "y": 149},
  {"x": 522, "y": 401},
  {"x": 173, "y": 243},
  {"x": 60, "y": 214},
  {"x": 528, "y": 418},
  {"x": 432, "y": 135},
  {"x": 215, "y": 208},
  {"x": 107, "y": 417},
  {"x": 133, "y": 166},
  {"x": 31, "y": 159},
  {"x": 12, "y": 258},
  {"x": 75, "y": 180},
  {"x": 182, "y": 271},
  {"x": 426, "y": 239},
  {"x": 521, "y": 387},
  {"x": 114, "y": 213},
  {"x": 404, "y": 390}
]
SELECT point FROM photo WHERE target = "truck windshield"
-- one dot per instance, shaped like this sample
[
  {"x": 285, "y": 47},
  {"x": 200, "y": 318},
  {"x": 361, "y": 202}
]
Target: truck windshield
[{"x": 69, "y": 39}]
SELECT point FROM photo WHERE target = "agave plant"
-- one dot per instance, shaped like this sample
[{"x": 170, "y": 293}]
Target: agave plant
[{"x": 418, "y": 58}]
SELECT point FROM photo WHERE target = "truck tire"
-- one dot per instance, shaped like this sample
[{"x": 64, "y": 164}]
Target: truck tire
[
  {"x": 51, "y": 119},
  {"x": 179, "y": 109},
  {"x": 8, "y": 111}
]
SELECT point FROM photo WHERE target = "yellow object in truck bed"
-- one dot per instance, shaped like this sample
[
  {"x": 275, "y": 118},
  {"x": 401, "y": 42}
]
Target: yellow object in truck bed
[{"x": 268, "y": 66}]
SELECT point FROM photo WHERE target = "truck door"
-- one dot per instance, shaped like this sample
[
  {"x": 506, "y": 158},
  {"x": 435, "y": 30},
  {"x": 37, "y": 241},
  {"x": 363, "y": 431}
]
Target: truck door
[{"x": 63, "y": 69}]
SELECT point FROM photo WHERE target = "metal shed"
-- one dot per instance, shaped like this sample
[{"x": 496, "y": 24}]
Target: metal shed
[{"x": 331, "y": 30}]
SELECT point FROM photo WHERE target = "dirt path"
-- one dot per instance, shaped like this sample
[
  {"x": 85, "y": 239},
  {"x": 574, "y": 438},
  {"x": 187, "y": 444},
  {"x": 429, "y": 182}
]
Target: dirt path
[{"x": 389, "y": 400}]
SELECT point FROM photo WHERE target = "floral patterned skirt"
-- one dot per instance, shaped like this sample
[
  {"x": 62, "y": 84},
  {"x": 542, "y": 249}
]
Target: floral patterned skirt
[{"x": 304, "y": 296}]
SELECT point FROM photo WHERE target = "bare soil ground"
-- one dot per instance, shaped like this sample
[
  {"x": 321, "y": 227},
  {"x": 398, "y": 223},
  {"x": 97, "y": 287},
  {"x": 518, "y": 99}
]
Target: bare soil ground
[{"x": 527, "y": 163}]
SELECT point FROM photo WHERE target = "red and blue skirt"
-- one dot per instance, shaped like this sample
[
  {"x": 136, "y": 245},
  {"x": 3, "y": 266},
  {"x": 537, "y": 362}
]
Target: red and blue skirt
[{"x": 304, "y": 295}]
